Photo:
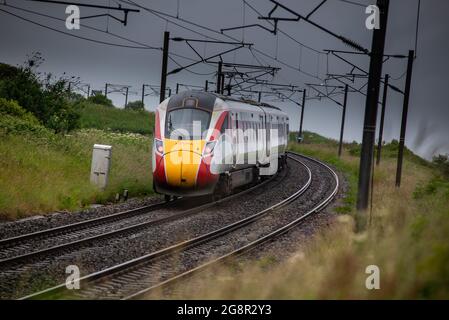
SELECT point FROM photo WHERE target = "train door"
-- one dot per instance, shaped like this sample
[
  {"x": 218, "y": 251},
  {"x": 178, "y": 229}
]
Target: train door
[
  {"x": 234, "y": 126},
  {"x": 268, "y": 133}
]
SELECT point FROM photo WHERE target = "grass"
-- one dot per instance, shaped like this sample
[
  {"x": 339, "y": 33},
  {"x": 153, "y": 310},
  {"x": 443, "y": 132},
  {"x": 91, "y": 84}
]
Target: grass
[
  {"x": 325, "y": 149},
  {"x": 114, "y": 119},
  {"x": 408, "y": 239},
  {"x": 43, "y": 173}
]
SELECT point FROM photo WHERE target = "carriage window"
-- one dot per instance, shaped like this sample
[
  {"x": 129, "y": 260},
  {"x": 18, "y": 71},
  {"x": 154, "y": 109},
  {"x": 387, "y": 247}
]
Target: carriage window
[{"x": 180, "y": 124}]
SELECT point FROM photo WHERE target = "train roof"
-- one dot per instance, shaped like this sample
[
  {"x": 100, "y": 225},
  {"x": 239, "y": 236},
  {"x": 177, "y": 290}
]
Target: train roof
[
  {"x": 247, "y": 101},
  {"x": 207, "y": 100}
]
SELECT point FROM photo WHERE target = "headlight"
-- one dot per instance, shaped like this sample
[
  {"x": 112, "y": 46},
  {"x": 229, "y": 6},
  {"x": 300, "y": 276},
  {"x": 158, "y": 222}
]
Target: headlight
[
  {"x": 209, "y": 148},
  {"x": 158, "y": 144}
]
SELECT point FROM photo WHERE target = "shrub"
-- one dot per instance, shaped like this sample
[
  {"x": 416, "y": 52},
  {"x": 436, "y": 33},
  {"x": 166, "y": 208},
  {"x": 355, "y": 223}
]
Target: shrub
[
  {"x": 45, "y": 97},
  {"x": 354, "y": 148},
  {"x": 100, "y": 99},
  {"x": 13, "y": 118},
  {"x": 135, "y": 105},
  {"x": 75, "y": 97},
  {"x": 12, "y": 108},
  {"x": 441, "y": 162}
]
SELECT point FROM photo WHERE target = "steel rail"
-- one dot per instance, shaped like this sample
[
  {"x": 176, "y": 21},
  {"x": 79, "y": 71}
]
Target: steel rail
[
  {"x": 182, "y": 246},
  {"x": 130, "y": 228},
  {"x": 78, "y": 225},
  {"x": 250, "y": 246}
]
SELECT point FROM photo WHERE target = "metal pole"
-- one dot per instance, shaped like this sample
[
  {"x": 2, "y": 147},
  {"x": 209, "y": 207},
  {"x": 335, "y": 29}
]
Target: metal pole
[
  {"x": 408, "y": 81},
  {"x": 342, "y": 129},
  {"x": 369, "y": 126},
  {"x": 228, "y": 88},
  {"x": 222, "y": 80},
  {"x": 70, "y": 87},
  {"x": 177, "y": 88},
  {"x": 382, "y": 118},
  {"x": 303, "y": 109},
  {"x": 88, "y": 91},
  {"x": 126, "y": 96},
  {"x": 206, "y": 86},
  {"x": 169, "y": 92},
  {"x": 220, "y": 66},
  {"x": 143, "y": 94},
  {"x": 106, "y": 90},
  {"x": 164, "y": 66},
  {"x": 259, "y": 98}
]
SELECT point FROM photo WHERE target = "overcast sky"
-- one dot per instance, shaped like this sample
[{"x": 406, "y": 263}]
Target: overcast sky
[{"x": 97, "y": 63}]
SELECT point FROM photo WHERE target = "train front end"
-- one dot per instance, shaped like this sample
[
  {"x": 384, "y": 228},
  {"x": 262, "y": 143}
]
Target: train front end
[{"x": 184, "y": 144}]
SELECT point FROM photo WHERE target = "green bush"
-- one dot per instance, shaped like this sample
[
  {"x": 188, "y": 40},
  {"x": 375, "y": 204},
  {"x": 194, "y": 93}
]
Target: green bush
[
  {"x": 13, "y": 118},
  {"x": 441, "y": 162},
  {"x": 100, "y": 99},
  {"x": 75, "y": 97},
  {"x": 45, "y": 97},
  {"x": 12, "y": 108},
  {"x": 135, "y": 105},
  {"x": 354, "y": 148}
]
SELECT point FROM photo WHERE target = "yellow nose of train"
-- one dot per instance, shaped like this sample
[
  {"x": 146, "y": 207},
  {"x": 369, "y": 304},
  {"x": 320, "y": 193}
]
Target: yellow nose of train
[{"x": 182, "y": 161}]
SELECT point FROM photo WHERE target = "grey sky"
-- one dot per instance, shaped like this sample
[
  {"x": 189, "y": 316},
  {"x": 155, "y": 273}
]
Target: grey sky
[{"x": 97, "y": 64}]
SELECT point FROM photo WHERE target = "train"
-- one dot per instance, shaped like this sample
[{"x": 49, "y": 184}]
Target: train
[{"x": 210, "y": 144}]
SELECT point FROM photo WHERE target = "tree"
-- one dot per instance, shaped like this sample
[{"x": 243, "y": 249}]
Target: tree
[
  {"x": 135, "y": 105},
  {"x": 40, "y": 94},
  {"x": 100, "y": 99},
  {"x": 441, "y": 161}
]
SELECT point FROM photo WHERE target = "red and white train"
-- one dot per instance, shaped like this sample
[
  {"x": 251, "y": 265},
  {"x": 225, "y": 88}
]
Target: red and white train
[{"x": 206, "y": 143}]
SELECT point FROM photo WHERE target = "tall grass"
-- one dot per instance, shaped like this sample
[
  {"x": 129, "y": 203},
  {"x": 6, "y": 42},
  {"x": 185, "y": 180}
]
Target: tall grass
[
  {"x": 408, "y": 239},
  {"x": 43, "y": 173},
  {"x": 114, "y": 119}
]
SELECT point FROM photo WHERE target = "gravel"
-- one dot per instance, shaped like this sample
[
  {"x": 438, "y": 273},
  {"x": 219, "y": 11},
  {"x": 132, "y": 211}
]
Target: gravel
[
  {"x": 106, "y": 253},
  {"x": 98, "y": 228},
  {"x": 56, "y": 219},
  {"x": 155, "y": 272},
  {"x": 277, "y": 251}
]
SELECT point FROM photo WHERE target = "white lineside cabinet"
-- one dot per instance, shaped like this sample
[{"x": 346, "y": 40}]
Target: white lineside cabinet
[{"x": 101, "y": 163}]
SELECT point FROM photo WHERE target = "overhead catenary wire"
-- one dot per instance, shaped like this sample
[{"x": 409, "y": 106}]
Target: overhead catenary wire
[
  {"x": 418, "y": 11},
  {"x": 353, "y": 3},
  {"x": 253, "y": 51},
  {"x": 141, "y": 45},
  {"x": 193, "y": 72},
  {"x": 281, "y": 31},
  {"x": 107, "y": 18},
  {"x": 72, "y": 35},
  {"x": 286, "y": 64},
  {"x": 161, "y": 15},
  {"x": 244, "y": 21}
]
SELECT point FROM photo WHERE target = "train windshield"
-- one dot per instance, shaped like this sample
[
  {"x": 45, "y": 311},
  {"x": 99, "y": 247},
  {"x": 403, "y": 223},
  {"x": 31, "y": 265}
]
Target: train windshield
[{"x": 187, "y": 124}]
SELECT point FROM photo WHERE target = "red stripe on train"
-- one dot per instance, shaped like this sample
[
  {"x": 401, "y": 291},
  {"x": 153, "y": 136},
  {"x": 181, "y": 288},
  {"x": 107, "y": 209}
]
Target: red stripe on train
[
  {"x": 157, "y": 126},
  {"x": 205, "y": 177}
]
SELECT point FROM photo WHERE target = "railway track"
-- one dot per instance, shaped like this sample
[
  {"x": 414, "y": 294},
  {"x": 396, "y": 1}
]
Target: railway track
[
  {"x": 139, "y": 276},
  {"x": 43, "y": 268},
  {"x": 20, "y": 249}
]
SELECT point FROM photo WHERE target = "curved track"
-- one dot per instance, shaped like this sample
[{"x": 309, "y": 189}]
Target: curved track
[
  {"x": 40, "y": 255},
  {"x": 20, "y": 249},
  {"x": 136, "y": 277}
]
